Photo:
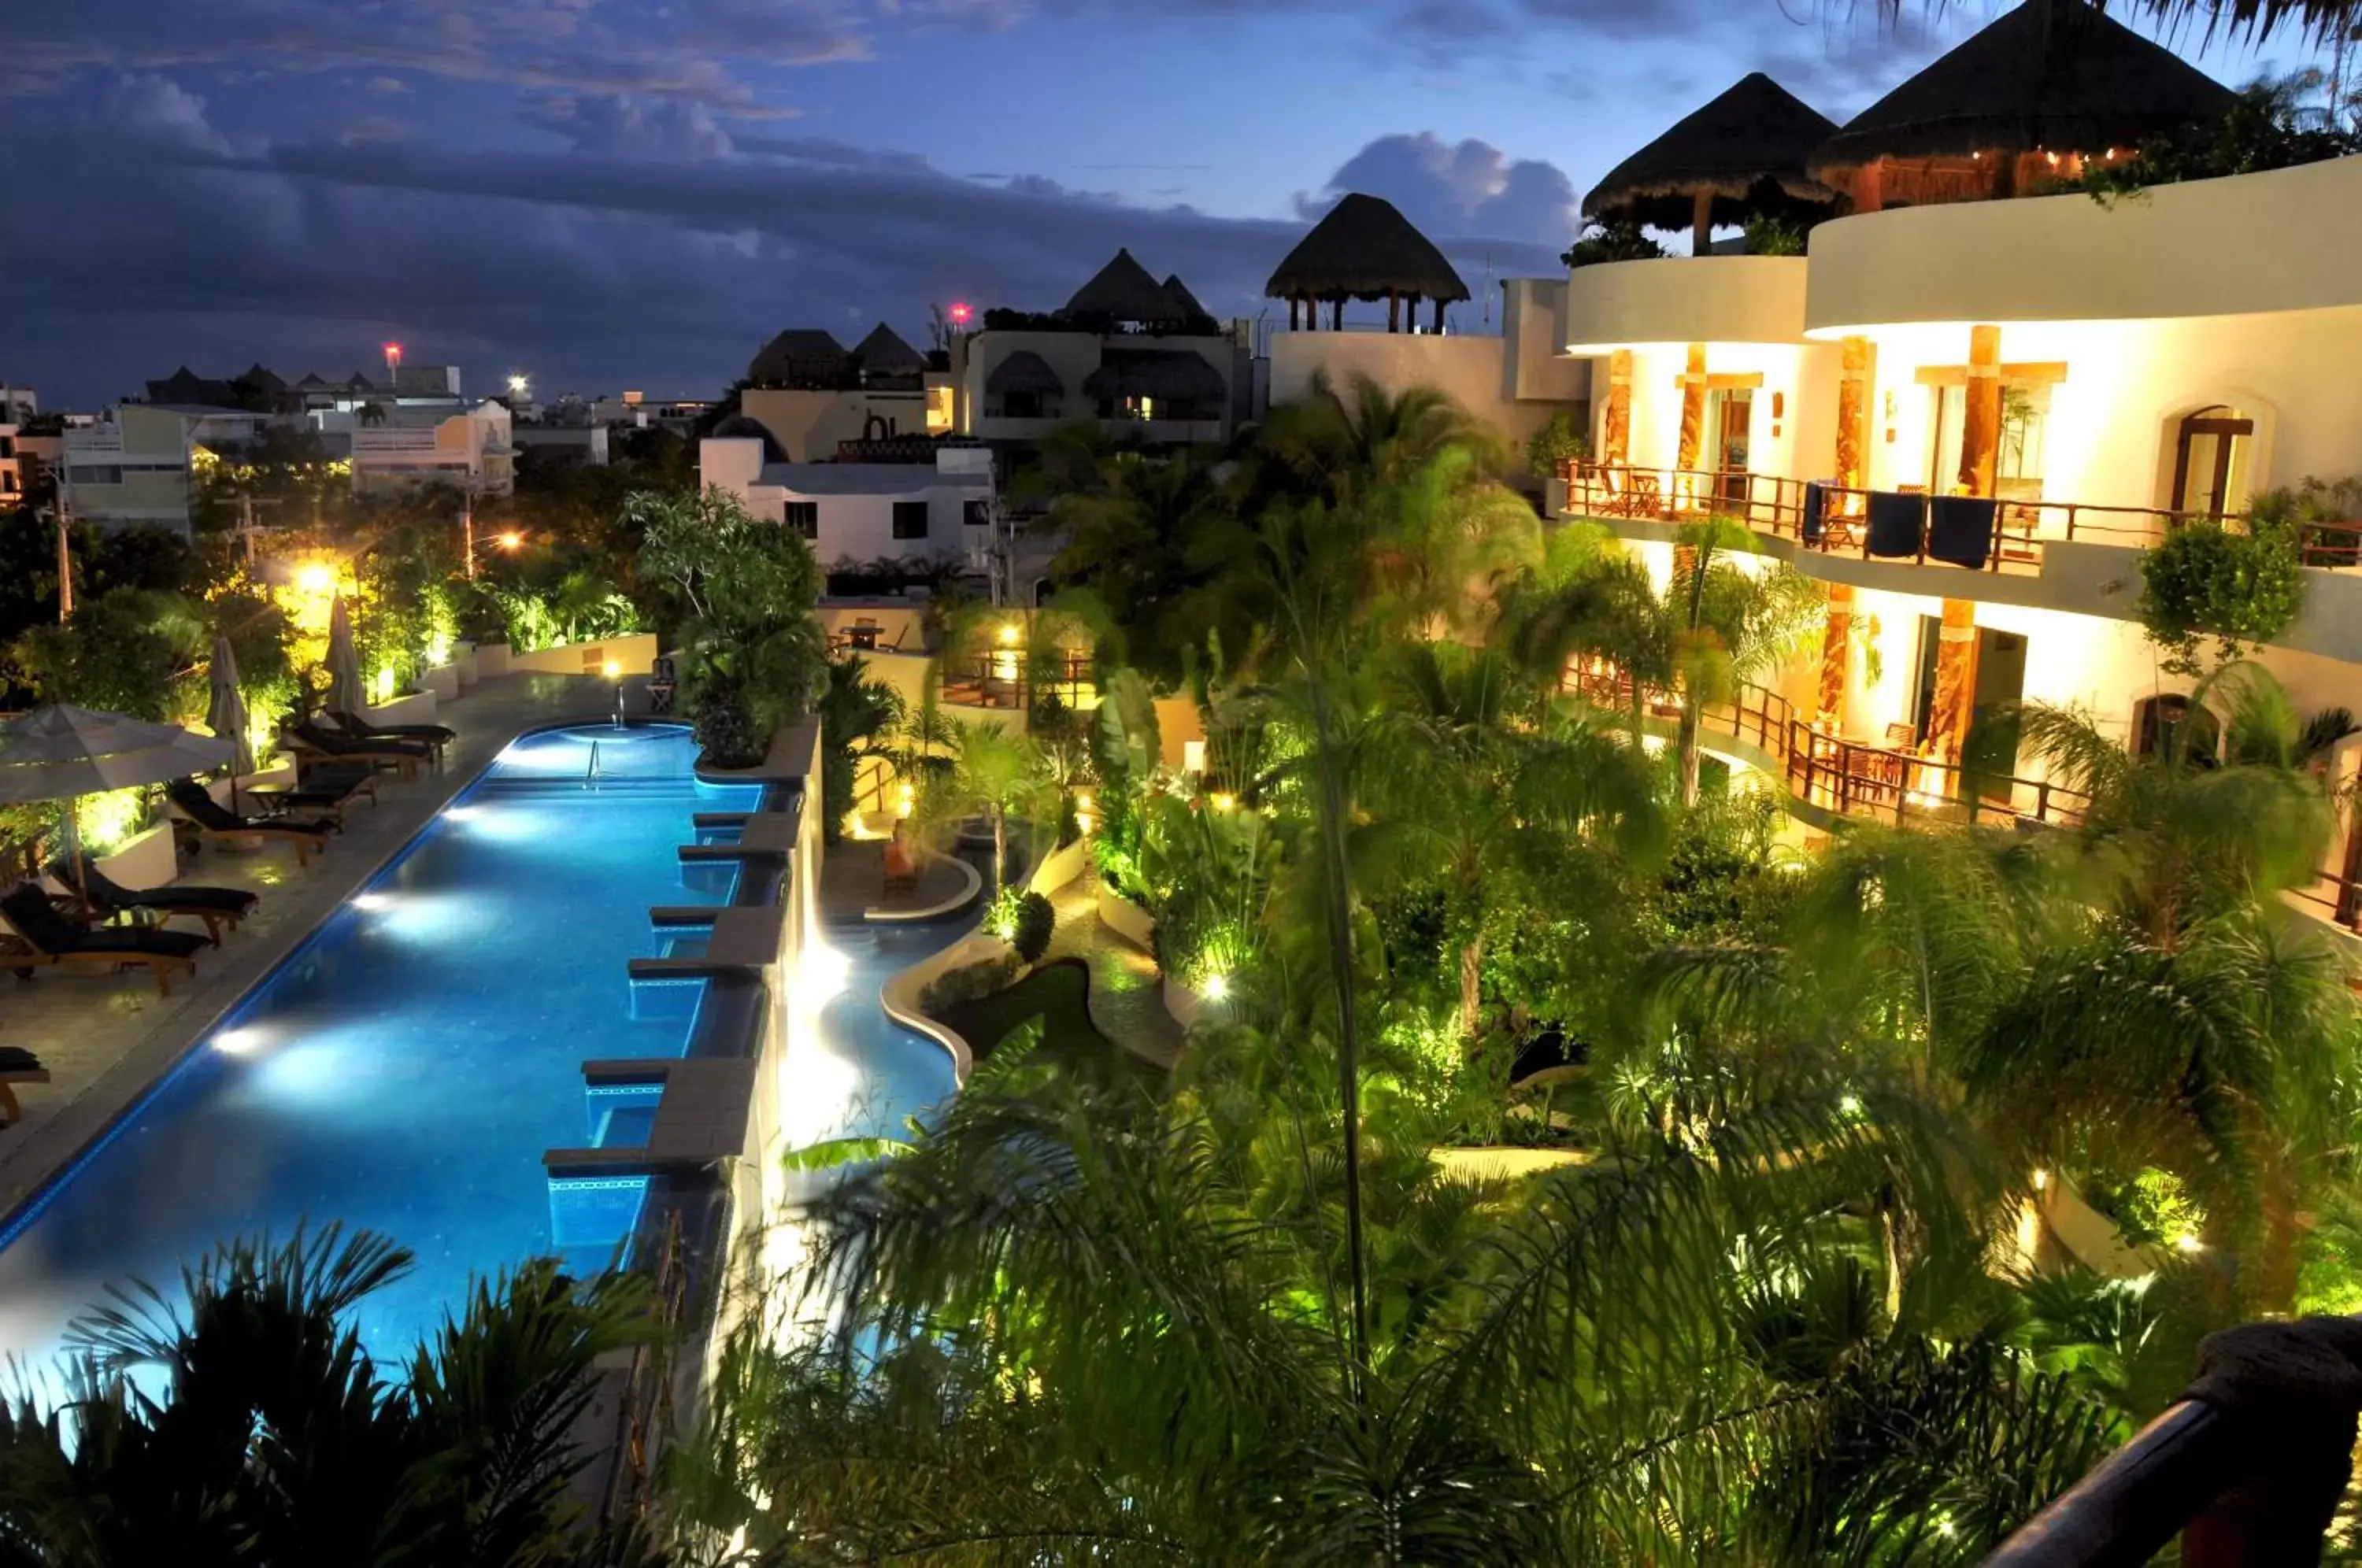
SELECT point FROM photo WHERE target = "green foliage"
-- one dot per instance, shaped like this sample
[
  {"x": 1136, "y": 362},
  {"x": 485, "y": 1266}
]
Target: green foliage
[
  {"x": 1771, "y": 236},
  {"x": 1024, "y": 919},
  {"x": 857, "y": 716},
  {"x": 127, "y": 651},
  {"x": 1555, "y": 445},
  {"x": 1611, "y": 242},
  {"x": 2241, "y": 587},
  {"x": 2270, "y": 126},
  {"x": 970, "y": 982},
  {"x": 250, "y": 1424},
  {"x": 724, "y": 725},
  {"x": 744, "y": 590}
]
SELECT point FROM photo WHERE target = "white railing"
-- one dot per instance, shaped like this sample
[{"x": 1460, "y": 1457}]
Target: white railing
[{"x": 368, "y": 440}]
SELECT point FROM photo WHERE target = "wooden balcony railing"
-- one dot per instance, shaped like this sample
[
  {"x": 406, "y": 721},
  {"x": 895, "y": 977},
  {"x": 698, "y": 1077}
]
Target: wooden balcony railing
[
  {"x": 2002, "y": 534},
  {"x": 1010, "y": 679},
  {"x": 1854, "y": 778}
]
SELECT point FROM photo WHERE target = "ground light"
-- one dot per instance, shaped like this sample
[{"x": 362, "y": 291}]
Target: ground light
[
  {"x": 1217, "y": 986},
  {"x": 371, "y": 901},
  {"x": 239, "y": 1041}
]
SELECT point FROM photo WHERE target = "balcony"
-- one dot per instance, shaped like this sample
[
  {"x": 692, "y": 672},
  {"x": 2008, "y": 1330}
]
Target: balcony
[
  {"x": 372, "y": 442},
  {"x": 1007, "y": 680},
  {"x": 1908, "y": 528},
  {"x": 1835, "y": 776}
]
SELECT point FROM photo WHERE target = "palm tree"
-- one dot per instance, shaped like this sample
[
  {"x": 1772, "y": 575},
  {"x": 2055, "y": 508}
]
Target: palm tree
[
  {"x": 1075, "y": 1331},
  {"x": 857, "y": 716},
  {"x": 1475, "y": 782},
  {"x": 994, "y": 773},
  {"x": 247, "y": 1423}
]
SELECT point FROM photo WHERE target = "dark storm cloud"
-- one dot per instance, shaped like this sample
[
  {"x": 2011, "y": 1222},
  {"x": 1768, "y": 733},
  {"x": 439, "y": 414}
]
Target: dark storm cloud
[{"x": 581, "y": 265}]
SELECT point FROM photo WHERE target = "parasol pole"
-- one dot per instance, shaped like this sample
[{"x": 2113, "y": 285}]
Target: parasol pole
[{"x": 74, "y": 855}]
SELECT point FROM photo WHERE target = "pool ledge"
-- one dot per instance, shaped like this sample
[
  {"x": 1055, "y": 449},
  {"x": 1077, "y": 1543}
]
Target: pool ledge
[
  {"x": 701, "y": 1121},
  {"x": 971, "y": 889},
  {"x": 900, "y": 993}
]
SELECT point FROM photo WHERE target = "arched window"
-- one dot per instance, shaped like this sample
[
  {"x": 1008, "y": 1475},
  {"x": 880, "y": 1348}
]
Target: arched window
[
  {"x": 2195, "y": 732},
  {"x": 2210, "y": 460}
]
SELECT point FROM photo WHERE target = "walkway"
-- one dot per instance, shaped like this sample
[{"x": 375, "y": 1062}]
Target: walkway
[
  {"x": 1126, "y": 1000},
  {"x": 106, "y": 1038}
]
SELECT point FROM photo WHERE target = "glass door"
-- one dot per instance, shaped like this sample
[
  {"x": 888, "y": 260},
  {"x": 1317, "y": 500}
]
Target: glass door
[
  {"x": 1731, "y": 423},
  {"x": 2210, "y": 455}
]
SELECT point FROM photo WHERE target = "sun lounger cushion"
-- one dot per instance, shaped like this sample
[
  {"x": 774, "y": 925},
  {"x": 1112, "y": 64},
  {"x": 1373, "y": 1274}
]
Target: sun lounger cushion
[
  {"x": 190, "y": 799},
  {"x": 28, "y": 910},
  {"x": 17, "y": 1059},
  {"x": 108, "y": 894}
]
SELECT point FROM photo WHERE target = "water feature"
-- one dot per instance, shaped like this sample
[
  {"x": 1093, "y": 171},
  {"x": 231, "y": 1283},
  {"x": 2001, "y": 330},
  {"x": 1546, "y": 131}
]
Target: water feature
[{"x": 404, "y": 1068}]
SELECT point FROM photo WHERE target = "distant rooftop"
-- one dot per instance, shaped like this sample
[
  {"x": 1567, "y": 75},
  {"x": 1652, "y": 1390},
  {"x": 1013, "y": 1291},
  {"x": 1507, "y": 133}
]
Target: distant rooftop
[{"x": 864, "y": 478}]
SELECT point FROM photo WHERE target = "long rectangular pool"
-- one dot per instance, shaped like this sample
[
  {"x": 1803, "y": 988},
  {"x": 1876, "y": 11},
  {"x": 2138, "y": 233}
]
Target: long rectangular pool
[{"x": 405, "y": 1069}]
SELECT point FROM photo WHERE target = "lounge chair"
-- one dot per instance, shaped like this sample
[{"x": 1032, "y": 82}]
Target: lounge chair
[
  {"x": 54, "y": 939},
  {"x": 211, "y": 821},
  {"x": 435, "y": 737},
  {"x": 323, "y": 789},
  {"x": 308, "y": 738},
  {"x": 217, "y": 907},
  {"x": 17, "y": 1065}
]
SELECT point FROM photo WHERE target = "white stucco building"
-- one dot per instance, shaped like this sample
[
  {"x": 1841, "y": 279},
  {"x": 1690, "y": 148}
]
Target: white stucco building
[
  {"x": 470, "y": 448},
  {"x": 935, "y": 511}
]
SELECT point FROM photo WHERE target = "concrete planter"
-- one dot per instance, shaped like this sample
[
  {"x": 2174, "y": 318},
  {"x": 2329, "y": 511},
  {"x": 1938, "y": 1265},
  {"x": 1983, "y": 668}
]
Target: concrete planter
[
  {"x": 1061, "y": 866},
  {"x": 463, "y": 659},
  {"x": 491, "y": 659},
  {"x": 443, "y": 680},
  {"x": 1185, "y": 1005},
  {"x": 148, "y": 859},
  {"x": 418, "y": 708},
  {"x": 1126, "y": 919}
]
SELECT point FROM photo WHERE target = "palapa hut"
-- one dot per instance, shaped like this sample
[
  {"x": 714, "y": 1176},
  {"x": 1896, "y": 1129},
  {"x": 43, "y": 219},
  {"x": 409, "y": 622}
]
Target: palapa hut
[
  {"x": 885, "y": 360},
  {"x": 1125, "y": 292},
  {"x": 1364, "y": 250},
  {"x": 2020, "y": 107},
  {"x": 1022, "y": 386},
  {"x": 1740, "y": 157}
]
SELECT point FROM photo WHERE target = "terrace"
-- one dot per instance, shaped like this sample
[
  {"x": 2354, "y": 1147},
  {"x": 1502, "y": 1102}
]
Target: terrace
[{"x": 1910, "y": 525}]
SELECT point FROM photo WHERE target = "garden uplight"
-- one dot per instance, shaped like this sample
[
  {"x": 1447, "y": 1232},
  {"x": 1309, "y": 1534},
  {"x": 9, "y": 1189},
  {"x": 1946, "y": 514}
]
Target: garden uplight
[
  {"x": 317, "y": 577},
  {"x": 612, "y": 669},
  {"x": 1225, "y": 802},
  {"x": 1217, "y": 986},
  {"x": 1008, "y": 635},
  {"x": 511, "y": 540}
]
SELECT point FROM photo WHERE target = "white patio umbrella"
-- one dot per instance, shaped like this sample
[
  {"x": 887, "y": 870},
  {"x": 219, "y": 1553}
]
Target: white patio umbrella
[
  {"x": 226, "y": 715},
  {"x": 62, "y": 753},
  {"x": 344, "y": 695}
]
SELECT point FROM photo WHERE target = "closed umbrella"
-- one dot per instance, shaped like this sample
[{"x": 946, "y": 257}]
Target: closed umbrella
[
  {"x": 62, "y": 753},
  {"x": 344, "y": 662},
  {"x": 226, "y": 715}
]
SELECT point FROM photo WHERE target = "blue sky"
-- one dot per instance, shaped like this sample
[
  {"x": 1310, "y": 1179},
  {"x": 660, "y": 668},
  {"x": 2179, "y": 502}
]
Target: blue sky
[{"x": 613, "y": 192}]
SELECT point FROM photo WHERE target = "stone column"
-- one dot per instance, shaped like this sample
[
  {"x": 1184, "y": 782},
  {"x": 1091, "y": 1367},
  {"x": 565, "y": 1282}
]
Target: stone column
[
  {"x": 1980, "y": 419},
  {"x": 1692, "y": 439},
  {"x": 1855, "y": 384},
  {"x": 1837, "y": 640},
  {"x": 1956, "y": 681},
  {"x": 1615, "y": 430}
]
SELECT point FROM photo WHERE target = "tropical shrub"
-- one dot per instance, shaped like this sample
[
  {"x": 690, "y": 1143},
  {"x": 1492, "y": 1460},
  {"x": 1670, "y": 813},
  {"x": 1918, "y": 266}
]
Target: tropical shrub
[
  {"x": 1555, "y": 444},
  {"x": 1024, "y": 919},
  {"x": 1769, "y": 236},
  {"x": 1611, "y": 242},
  {"x": 2270, "y": 126},
  {"x": 2238, "y": 587},
  {"x": 970, "y": 982},
  {"x": 725, "y": 723}
]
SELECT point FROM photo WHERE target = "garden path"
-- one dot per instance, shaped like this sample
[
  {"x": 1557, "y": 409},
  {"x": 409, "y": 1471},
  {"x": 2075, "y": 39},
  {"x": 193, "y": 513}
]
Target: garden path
[{"x": 1127, "y": 1002}]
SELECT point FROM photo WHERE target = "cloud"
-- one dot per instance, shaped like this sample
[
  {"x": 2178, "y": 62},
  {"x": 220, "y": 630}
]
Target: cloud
[
  {"x": 623, "y": 126},
  {"x": 386, "y": 85},
  {"x": 1470, "y": 187},
  {"x": 306, "y": 255}
]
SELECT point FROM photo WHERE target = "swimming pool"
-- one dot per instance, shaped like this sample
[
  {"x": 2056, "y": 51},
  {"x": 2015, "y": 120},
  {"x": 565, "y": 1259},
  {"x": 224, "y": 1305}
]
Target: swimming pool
[{"x": 405, "y": 1068}]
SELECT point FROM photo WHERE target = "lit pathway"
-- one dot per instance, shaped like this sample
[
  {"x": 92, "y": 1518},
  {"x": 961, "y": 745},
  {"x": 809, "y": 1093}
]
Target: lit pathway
[
  {"x": 105, "y": 1038},
  {"x": 1125, "y": 998}
]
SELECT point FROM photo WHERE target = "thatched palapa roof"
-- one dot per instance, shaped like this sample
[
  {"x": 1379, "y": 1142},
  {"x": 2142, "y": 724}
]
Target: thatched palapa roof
[
  {"x": 798, "y": 351},
  {"x": 1178, "y": 292},
  {"x": 1364, "y": 250},
  {"x": 1024, "y": 372},
  {"x": 1177, "y": 374},
  {"x": 883, "y": 353},
  {"x": 2051, "y": 75},
  {"x": 1124, "y": 290},
  {"x": 1745, "y": 150}
]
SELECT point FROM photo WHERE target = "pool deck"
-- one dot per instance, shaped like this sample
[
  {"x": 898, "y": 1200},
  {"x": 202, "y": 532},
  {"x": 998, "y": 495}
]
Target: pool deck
[
  {"x": 852, "y": 881},
  {"x": 105, "y": 1038}
]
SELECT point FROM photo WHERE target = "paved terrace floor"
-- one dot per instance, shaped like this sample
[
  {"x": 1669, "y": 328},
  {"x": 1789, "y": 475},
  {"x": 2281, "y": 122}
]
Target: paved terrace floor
[
  {"x": 852, "y": 881},
  {"x": 105, "y": 1038},
  {"x": 1127, "y": 999}
]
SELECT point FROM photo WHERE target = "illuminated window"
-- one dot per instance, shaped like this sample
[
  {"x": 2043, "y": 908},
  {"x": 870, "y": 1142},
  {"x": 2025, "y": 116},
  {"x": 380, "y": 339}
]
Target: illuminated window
[
  {"x": 803, "y": 516},
  {"x": 939, "y": 409},
  {"x": 910, "y": 519}
]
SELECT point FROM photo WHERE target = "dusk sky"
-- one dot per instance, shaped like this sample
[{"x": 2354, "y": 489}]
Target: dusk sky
[{"x": 610, "y": 193}]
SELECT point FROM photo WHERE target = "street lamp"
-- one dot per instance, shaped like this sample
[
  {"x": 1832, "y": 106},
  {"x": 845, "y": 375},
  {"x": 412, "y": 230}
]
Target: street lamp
[{"x": 516, "y": 384}]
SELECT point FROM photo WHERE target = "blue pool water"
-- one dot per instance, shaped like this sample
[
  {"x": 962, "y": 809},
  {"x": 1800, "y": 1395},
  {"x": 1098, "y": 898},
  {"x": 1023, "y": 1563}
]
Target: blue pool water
[
  {"x": 405, "y": 1070},
  {"x": 887, "y": 1074}
]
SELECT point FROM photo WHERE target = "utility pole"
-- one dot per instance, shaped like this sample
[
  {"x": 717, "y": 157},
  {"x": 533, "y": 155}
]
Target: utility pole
[
  {"x": 468, "y": 525},
  {"x": 63, "y": 512}
]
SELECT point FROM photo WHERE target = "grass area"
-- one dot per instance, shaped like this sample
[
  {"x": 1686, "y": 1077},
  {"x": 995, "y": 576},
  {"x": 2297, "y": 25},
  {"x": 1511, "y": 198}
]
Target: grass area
[{"x": 1056, "y": 993}]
